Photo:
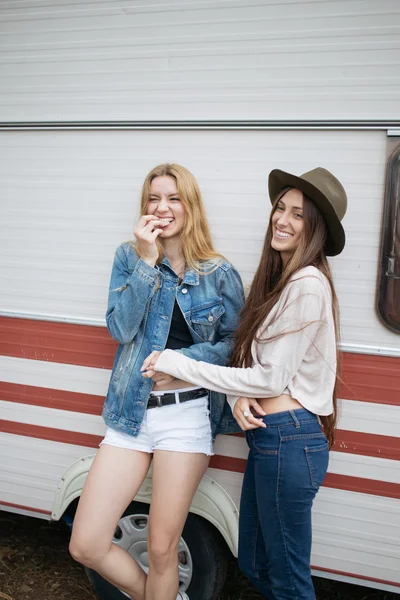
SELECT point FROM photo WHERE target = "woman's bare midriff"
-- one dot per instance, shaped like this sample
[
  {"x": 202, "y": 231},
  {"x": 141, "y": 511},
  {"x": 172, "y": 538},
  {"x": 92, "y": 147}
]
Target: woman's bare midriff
[
  {"x": 279, "y": 404},
  {"x": 269, "y": 405},
  {"x": 176, "y": 384}
]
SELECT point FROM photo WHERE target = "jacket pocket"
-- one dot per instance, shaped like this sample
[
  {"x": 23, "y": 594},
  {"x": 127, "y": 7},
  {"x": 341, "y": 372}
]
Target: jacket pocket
[{"x": 205, "y": 319}]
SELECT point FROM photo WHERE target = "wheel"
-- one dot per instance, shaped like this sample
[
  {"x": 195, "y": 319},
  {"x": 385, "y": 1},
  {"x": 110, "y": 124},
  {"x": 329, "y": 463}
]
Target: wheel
[{"x": 202, "y": 555}]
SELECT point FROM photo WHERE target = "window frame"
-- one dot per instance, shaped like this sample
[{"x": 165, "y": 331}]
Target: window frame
[{"x": 389, "y": 258}]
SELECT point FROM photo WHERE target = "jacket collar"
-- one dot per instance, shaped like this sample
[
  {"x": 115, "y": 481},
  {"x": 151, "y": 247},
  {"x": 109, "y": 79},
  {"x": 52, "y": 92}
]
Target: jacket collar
[{"x": 191, "y": 276}]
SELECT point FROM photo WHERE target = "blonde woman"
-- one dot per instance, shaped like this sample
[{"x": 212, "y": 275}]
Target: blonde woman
[
  {"x": 282, "y": 382},
  {"x": 168, "y": 290}
]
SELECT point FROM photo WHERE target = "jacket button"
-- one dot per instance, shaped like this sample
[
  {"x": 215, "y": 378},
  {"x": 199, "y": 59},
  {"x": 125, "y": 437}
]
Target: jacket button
[
  {"x": 211, "y": 318},
  {"x": 184, "y": 291}
]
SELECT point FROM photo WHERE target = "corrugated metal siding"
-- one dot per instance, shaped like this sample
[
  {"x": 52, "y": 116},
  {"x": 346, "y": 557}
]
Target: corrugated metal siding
[
  {"x": 175, "y": 59},
  {"x": 69, "y": 198},
  {"x": 356, "y": 533}
]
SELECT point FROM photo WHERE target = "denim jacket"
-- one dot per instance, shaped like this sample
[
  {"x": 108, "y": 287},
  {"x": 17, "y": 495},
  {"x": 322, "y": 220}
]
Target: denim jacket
[{"x": 140, "y": 305}]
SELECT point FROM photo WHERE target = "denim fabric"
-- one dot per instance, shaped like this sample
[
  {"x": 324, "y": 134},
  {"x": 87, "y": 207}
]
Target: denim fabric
[
  {"x": 140, "y": 305},
  {"x": 287, "y": 464},
  {"x": 183, "y": 427}
]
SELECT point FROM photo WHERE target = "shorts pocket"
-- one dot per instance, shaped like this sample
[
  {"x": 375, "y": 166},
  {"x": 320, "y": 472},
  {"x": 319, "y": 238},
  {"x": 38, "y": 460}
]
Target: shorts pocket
[
  {"x": 194, "y": 413},
  {"x": 317, "y": 459}
]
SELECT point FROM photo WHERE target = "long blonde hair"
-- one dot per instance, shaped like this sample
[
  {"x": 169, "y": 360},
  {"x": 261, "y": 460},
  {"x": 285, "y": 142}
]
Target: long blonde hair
[
  {"x": 197, "y": 246},
  {"x": 269, "y": 282}
]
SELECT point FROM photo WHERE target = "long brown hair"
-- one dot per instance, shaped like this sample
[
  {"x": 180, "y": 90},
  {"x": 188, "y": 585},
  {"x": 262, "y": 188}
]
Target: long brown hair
[
  {"x": 197, "y": 245},
  {"x": 270, "y": 280}
]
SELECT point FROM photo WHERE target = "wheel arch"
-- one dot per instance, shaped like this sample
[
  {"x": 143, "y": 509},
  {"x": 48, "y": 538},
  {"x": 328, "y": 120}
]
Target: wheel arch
[{"x": 211, "y": 501}]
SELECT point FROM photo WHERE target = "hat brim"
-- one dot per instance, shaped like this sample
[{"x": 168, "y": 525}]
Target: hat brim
[{"x": 336, "y": 237}]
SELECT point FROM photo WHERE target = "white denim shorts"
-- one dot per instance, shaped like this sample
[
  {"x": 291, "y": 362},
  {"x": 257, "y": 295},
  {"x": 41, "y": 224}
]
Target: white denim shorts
[{"x": 182, "y": 427}]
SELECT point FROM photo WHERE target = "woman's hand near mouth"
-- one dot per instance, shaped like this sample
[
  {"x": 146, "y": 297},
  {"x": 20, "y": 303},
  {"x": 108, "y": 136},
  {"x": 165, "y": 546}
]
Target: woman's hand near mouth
[{"x": 147, "y": 230}]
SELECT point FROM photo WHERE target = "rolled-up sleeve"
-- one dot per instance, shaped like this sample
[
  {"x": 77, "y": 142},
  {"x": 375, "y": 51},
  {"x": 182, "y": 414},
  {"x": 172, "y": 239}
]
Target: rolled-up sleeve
[{"x": 128, "y": 297}]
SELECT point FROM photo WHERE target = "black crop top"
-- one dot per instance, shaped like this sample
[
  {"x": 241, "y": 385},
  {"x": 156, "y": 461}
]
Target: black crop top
[{"x": 179, "y": 334}]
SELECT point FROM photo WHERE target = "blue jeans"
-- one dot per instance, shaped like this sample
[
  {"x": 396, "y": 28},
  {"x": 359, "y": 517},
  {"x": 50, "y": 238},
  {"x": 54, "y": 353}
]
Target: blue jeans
[{"x": 286, "y": 465}]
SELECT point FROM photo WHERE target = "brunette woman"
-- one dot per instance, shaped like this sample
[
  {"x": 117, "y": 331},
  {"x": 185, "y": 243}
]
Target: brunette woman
[
  {"x": 169, "y": 289},
  {"x": 285, "y": 356}
]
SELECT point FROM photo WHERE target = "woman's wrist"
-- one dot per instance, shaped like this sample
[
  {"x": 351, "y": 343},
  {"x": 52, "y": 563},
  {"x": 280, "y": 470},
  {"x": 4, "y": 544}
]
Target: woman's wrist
[
  {"x": 150, "y": 260},
  {"x": 232, "y": 401}
]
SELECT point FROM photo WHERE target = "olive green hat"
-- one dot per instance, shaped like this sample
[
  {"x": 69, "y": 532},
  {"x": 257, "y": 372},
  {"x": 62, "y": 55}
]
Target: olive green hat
[{"x": 326, "y": 192}]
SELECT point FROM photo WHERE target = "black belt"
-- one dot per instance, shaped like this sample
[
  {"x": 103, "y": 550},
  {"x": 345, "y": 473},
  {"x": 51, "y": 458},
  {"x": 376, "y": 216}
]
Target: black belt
[{"x": 157, "y": 400}]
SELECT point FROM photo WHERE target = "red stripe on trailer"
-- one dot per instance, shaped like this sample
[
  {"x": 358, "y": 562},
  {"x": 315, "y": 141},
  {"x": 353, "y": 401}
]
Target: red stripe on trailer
[
  {"x": 367, "y": 444},
  {"x": 228, "y": 463},
  {"x": 356, "y": 576},
  {"x": 48, "y": 433},
  {"x": 370, "y": 378},
  {"x": 363, "y": 486},
  {"x": 49, "y": 398},
  {"x": 22, "y": 507},
  {"x": 66, "y": 343}
]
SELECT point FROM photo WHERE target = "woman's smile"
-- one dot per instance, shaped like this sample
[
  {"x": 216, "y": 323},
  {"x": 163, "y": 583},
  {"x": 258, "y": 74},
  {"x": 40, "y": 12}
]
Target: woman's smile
[
  {"x": 282, "y": 234},
  {"x": 165, "y": 221}
]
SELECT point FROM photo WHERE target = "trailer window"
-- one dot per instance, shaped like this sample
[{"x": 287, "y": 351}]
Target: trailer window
[{"x": 389, "y": 288}]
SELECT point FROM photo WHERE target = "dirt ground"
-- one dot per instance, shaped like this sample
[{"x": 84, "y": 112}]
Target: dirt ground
[{"x": 35, "y": 565}]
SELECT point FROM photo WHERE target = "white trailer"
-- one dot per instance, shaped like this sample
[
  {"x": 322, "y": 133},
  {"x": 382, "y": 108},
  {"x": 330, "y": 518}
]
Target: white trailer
[{"x": 94, "y": 95}]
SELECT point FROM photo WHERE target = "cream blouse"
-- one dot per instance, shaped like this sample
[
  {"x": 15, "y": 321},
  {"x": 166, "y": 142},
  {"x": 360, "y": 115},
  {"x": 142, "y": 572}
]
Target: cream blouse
[{"x": 296, "y": 353}]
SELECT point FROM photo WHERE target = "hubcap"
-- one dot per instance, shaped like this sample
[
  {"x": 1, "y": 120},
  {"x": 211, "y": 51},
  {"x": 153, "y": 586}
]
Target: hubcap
[{"x": 131, "y": 535}]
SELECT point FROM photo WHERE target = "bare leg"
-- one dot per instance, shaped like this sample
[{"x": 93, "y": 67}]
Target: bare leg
[
  {"x": 176, "y": 476},
  {"x": 113, "y": 481}
]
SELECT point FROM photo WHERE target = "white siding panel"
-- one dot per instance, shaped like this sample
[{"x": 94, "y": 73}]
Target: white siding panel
[
  {"x": 229, "y": 445},
  {"x": 40, "y": 416},
  {"x": 55, "y": 376},
  {"x": 33, "y": 468},
  {"x": 369, "y": 417},
  {"x": 69, "y": 198},
  {"x": 367, "y": 467},
  {"x": 356, "y": 533},
  {"x": 230, "y": 481},
  {"x": 227, "y": 59}
]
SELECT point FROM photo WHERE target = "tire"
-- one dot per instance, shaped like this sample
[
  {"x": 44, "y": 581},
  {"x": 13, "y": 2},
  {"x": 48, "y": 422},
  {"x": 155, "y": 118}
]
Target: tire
[
  {"x": 210, "y": 557},
  {"x": 203, "y": 555}
]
